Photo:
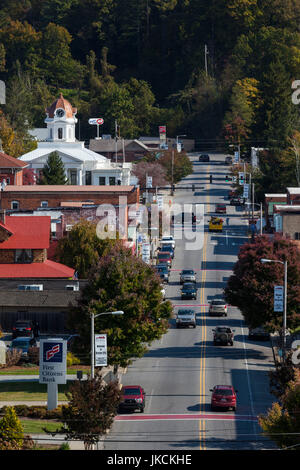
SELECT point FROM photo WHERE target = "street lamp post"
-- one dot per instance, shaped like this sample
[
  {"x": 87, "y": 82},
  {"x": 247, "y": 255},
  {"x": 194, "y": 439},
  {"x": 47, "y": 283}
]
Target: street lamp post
[
  {"x": 118, "y": 312},
  {"x": 284, "y": 263}
]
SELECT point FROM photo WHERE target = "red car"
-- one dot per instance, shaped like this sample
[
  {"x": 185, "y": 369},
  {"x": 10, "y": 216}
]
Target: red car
[
  {"x": 220, "y": 208},
  {"x": 133, "y": 398},
  {"x": 223, "y": 396},
  {"x": 164, "y": 257}
]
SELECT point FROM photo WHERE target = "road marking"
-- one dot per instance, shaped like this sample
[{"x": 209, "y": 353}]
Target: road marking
[{"x": 177, "y": 417}]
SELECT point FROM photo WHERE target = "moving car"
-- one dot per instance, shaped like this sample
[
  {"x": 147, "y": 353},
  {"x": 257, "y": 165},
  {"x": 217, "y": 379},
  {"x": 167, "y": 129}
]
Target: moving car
[
  {"x": 218, "y": 307},
  {"x": 215, "y": 224},
  {"x": 189, "y": 291},
  {"x": 187, "y": 275},
  {"x": 186, "y": 318},
  {"x": 169, "y": 240},
  {"x": 23, "y": 328},
  {"x": 164, "y": 257},
  {"x": 23, "y": 343},
  {"x": 204, "y": 158},
  {"x": 220, "y": 209},
  {"x": 133, "y": 398},
  {"x": 259, "y": 333},
  {"x": 167, "y": 248},
  {"x": 223, "y": 396},
  {"x": 163, "y": 272},
  {"x": 223, "y": 335}
]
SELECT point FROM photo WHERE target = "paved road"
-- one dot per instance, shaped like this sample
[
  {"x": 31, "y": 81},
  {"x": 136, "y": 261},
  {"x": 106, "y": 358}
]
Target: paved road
[{"x": 180, "y": 369}]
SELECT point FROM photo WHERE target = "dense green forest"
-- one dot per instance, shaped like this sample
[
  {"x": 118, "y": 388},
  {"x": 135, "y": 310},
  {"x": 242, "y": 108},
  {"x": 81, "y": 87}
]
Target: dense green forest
[{"x": 144, "y": 64}]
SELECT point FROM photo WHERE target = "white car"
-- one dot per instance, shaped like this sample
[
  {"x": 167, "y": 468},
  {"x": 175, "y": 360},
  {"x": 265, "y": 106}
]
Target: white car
[
  {"x": 168, "y": 240},
  {"x": 163, "y": 293}
]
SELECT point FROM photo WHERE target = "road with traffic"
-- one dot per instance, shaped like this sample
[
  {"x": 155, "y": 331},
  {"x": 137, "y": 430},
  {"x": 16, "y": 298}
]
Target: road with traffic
[{"x": 179, "y": 370}]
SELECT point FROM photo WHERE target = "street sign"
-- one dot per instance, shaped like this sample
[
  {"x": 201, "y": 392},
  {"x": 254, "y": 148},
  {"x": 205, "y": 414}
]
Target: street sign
[
  {"x": 146, "y": 252},
  {"x": 162, "y": 129},
  {"x": 160, "y": 202},
  {"x": 96, "y": 121},
  {"x": 278, "y": 298},
  {"x": 100, "y": 350},
  {"x": 236, "y": 157},
  {"x": 234, "y": 179},
  {"x": 246, "y": 191},
  {"x": 149, "y": 182}
]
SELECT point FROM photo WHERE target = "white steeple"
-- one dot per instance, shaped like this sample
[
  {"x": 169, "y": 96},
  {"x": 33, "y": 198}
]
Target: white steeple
[{"x": 61, "y": 121}]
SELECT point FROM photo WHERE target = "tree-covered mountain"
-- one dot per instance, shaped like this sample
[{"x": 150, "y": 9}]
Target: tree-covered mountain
[{"x": 143, "y": 63}]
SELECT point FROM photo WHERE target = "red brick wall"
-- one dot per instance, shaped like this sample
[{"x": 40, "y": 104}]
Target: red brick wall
[{"x": 32, "y": 200}]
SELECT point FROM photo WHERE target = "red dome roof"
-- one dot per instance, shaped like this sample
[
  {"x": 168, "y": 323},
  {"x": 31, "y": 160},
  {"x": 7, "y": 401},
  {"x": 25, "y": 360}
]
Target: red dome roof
[{"x": 62, "y": 103}]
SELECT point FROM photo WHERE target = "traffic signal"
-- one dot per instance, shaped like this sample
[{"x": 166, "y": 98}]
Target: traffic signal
[{"x": 226, "y": 178}]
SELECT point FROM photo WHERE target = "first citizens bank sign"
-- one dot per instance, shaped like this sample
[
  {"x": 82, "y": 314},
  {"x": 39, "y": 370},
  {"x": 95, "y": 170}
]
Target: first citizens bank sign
[{"x": 53, "y": 361}]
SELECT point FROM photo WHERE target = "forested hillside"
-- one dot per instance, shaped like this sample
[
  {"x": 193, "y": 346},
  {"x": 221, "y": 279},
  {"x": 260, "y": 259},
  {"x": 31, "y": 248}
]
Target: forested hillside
[{"x": 142, "y": 62}]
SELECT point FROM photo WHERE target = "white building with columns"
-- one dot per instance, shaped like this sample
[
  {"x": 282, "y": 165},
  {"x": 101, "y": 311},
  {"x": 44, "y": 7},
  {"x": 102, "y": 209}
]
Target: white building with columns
[{"x": 83, "y": 167}]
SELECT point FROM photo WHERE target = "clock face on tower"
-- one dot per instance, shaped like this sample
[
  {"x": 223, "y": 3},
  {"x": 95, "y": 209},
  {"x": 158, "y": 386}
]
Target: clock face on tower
[{"x": 59, "y": 113}]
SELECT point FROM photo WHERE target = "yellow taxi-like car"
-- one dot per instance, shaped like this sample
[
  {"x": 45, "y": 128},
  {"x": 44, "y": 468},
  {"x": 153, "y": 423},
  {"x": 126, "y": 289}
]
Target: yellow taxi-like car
[{"x": 215, "y": 224}]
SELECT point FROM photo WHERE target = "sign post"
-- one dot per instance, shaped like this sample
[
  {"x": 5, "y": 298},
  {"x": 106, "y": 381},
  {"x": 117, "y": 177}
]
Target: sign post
[
  {"x": 53, "y": 367},
  {"x": 96, "y": 122}
]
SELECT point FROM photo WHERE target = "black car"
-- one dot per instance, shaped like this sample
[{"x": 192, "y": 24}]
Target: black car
[
  {"x": 189, "y": 291},
  {"x": 163, "y": 272},
  {"x": 236, "y": 201},
  {"x": 204, "y": 158},
  {"x": 23, "y": 328}
]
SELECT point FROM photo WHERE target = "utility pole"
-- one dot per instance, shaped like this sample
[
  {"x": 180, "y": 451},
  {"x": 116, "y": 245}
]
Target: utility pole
[
  {"x": 172, "y": 172},
  {"x": 116, "y": 143},
  {"x": 205, "y": 58},
  {"x": 252, "y": 201}
]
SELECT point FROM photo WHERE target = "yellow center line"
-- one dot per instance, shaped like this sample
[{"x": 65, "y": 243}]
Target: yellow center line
[{"x": 202, "y": 423}]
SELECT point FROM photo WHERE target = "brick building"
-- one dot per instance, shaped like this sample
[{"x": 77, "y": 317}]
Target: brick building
[
  {"x": 43, "y": 196},
  {"x": 11, "y": 169},
  {"x": 24, "y": 242}
]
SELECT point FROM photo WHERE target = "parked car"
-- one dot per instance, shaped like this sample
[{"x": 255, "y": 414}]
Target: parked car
[
  {"x": 168, "y": 240},
  {"x": 220, "y": 209},
  {"x": 133, "y": 398},
  {"x": 23, "y": 328},
  {"x": 259, "y": 333},
  {"x": 23, "y": 343},
  {"x": 189, "y": 291},
  {"x": 204, "y": 158},
  {"x": 164, "y": 257},
  {"x": 223, "y": 335},
  {"x": 228, "y": 160},
  {"x": 167, "y": 248},
  {"x": 236, "y": 201},
  {"x": 186, "y": 318},
  {"x": 223, "y": 396},
  {"x": 187, "y": 275},
  {"x": 218, "y": 307},
  {"x": 163, "y": 272}
]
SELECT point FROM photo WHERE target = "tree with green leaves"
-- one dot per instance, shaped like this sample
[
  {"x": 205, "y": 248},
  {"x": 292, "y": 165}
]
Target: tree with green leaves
[
  {"x": 91, "y": 410},
  {"x": 81, "y": 248},
  {"x": 121, "y": 281},
  {"x": 54, "y": 170}
]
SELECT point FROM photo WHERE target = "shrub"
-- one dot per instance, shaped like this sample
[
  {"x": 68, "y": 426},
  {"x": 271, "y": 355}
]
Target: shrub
[
  {"x": 72, "y": 359},
  {"x": 13, "y": 357},
  {"x": 34, "y": 355}
]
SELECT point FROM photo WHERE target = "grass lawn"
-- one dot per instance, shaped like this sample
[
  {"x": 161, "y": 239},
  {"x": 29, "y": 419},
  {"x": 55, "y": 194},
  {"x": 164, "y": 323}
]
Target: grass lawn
[
  {"x": 29, "y": 391},
  {"x": 19, "y": 370},
  {"x": 35, "y": 426}
]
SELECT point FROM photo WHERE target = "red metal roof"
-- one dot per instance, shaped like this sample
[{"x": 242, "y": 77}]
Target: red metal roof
[
  {"x": 6, "y": 161},
  {"x": 48, "y": 269},
  {"x": 27, "y": 232}
]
